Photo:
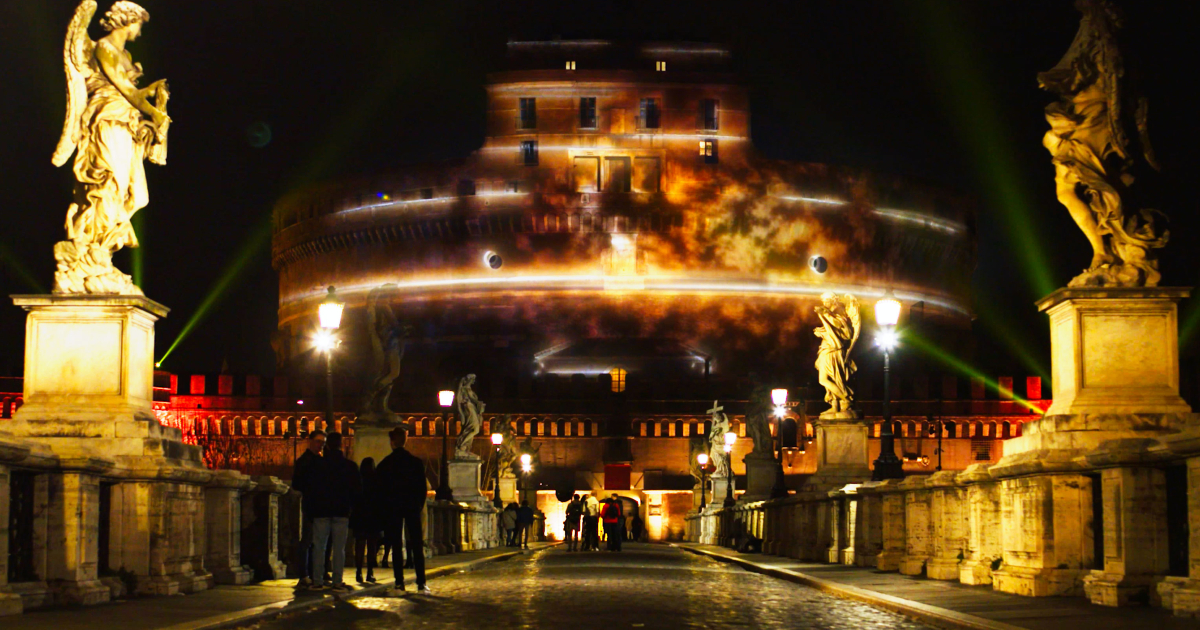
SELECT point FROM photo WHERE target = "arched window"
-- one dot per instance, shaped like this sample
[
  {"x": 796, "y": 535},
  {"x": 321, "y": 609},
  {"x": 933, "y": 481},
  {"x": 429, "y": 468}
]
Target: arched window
[{"x": 618, "y": 379}]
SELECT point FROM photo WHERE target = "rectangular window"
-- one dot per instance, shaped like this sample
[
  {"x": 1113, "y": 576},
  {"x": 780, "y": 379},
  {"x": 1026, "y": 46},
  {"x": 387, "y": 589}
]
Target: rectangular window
[
  {"x": 646, "y": 173},
  {"x": 528, "y": 114},
  {"x": 570, "y": 65},
  {"x": 616, "y": 174},
  {"x": 649, "y": 114},
  {"x": 660, "y": 66},
  {"x": 529, "y": 152},
  {"x": 708, "y": 114},
  {"x": 587, "y": 174},
  {"x": 587, "y": 112},
  {"x": 708, "y": 151}
]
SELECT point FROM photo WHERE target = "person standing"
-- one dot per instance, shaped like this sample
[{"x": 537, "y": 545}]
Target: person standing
[
  {"x": 365, "y": 523},
  {"x": 591, "y": 524},
  {"x": 301, "y": 474},
  {"x": 335, "y": 486},
  {"x": 524, "y": 524},
  {"x": 508, "y": 521},
  {"x": 636, "y": 527},
  {"x": 613, "y": 518},
  {"x": 571, "y": 526},
  {"x": 402, "y": 488}
]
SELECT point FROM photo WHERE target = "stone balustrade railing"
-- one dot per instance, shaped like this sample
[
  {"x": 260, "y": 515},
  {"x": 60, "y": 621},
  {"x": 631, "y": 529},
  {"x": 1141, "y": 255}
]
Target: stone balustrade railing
[{"x": 1117, "y": 524}]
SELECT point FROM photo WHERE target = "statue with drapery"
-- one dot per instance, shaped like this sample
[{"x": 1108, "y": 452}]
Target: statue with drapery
[
  {"x": 112, "y": 126},
  {"x": 470, "y": 413},
  {"x": 838, "y": 332},
  {"x": 716, "y": 440}
]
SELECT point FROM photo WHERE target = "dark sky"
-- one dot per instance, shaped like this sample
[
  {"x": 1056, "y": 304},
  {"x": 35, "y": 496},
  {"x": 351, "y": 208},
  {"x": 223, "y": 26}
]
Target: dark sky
[{"x": 939, "y": 90}]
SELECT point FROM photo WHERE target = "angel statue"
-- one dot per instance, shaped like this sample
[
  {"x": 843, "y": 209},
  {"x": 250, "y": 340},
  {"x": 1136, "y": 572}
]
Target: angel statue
[
  {"x": 840, "y": 325},
  {"x": 508, "y": 446},
  {"x": 388, "y": 340},
  {"x": 1097, "y": 135},
  {"x": 111, "y": 127},
  {"x": 470, "y": 410},
  {"x": 758, "y": 422},
  {"x": 716, "y": 440}
]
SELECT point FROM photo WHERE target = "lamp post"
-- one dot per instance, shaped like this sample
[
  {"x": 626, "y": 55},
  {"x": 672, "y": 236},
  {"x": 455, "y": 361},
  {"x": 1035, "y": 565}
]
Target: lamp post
[
  {"x": 779, "y": 397},
  {"x": 730, "y": 438},
  {"x": 497, "y": 440},
  {"x": 329, "y": 315},
  {"x": 887, "y": 314},
  {"x": 702, "y": 459},
  {"x": 526, "y": 468},
  {"x": 443, "y": 493}
]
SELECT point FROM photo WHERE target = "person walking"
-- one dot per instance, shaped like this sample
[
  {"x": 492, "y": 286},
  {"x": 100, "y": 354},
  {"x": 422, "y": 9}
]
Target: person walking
[
  {"x": 365, "y": 523},
  {"x": 571, "y": 526},
  {"x": 508, "y": 521},
  {"x": 335, "y": 487},
  {"x": 613, "y": 518},
  {"x": 524, "y": 524},
  {"x": 591, "y": 524},
  {"x": 401, "y": 487},
  {"x": 636, "y": 527},
  {"x": 301, "y": 474}
]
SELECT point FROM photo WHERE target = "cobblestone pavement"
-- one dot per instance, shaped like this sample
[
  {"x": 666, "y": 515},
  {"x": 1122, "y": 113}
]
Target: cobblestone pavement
[{"x": 645, "y": 586}]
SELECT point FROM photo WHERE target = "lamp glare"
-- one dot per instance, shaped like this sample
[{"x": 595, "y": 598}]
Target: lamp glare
[
  {"x": 887, "y": 310},
  {"x": 497, "y": 438},
  {"x": 779, "y": 396},
  {"x": 702, "y": 459},
  {"x": 730, "y": 438},
  {"x": 446, "y": 398},
  {"x": 330, "y": 311}
]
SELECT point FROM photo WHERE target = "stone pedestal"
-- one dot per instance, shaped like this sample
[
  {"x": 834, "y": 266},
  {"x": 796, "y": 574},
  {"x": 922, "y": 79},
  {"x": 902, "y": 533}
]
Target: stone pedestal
[
  {"x": 371, "y": 440},
  {"x": 721, "y": 486},
  {"x": 508, "y": 489},
  {"x": 842, "y": 456},
  {"x": 464, "y": 481},
  {"x": 1114, "y": 350},
  {"x": 760, "y": 478}
]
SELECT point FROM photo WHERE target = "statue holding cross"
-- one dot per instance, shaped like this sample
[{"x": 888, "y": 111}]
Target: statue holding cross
[{"x": 716, "y": 440}]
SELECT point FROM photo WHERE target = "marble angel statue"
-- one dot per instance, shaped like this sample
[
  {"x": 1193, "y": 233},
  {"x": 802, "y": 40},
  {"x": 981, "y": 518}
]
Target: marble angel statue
[
  {"x": 388, "y": 339},
  {"x": 758, "y": 422},
  {"x": 470, "y": 411},
  {"x": 716, "y": 440},
  {"x": 1099, "y": 147},
  {"x": 111, "y": 127},
  {"x": 841, "y": 323}
]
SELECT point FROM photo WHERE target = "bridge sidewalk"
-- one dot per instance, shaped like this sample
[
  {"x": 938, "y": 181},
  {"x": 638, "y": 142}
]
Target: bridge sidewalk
[
  {"x": 950, "y": 604},
  {"x": 229, "y": 606}
]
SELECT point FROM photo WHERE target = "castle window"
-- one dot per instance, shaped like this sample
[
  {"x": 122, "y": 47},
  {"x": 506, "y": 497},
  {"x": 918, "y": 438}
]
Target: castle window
[
  {"x": 646, "y": 174},
  {"x": 529, "y": 153},
  {"x": 587, "y": 174},
  {"x": 660, "y": 66},
  {"x": 587, "y": 112},
  {"x": 708, "y": 114},
  {"x": 570, "y": 65},
  {"x": 649, "y": 114},
  {"x": 618, "y": 379},
  {"x": 708, "y": 151},
  {"x": 528, "y": 114},
  {"x": 616, "y": 174}
]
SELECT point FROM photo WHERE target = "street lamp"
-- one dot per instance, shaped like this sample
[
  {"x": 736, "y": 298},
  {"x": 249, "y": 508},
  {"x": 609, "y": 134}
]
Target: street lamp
[
  {"x": 702, "y": 459},
  {"x": 443, "y": 493},
  {"x": 497, "y": 440},
  {"x": 329, "y": 315},
  {"x": 730, "y": 439},
  {"x": 526, "y": 468},
  {"x": 779, "y": 397},
  {"x": 887, "y": 314}
]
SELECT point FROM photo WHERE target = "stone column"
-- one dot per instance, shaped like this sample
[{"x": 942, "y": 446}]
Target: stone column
[
  {"x": 837, "y": 531},
  {"x": 1135, "y": 538},
  {"x": 1179, "y": 594},
  {"x": 260, "y": 527},
  {"x": 918, "y": 526},
  {"x": 894, "y": 526},
  {"x": 223, "y": 527},
  {"x": 982, "y": 553},
  {"x": 949, "y": 526},
  {"x": 868, "y": 528},
  {"x": 1046, "y": 535},
  {"x": 849, "y": 518},
  {"x": 74, "y": 526}
]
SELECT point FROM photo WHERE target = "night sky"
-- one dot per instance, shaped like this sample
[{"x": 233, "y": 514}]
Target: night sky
[{"x": 269, "y": 95}]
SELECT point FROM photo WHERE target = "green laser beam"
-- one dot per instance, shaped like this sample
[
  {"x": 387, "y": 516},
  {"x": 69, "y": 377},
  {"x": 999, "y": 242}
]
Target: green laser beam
[
  {"x": 1017, "y": 339},
  {"x": 252, "y": 247},
  {"x": 137, "y": 254},
  {"x": 932, "y": 350},
  {"x": 18, "y": 268},
  {"x": 1191, "y": 321}
]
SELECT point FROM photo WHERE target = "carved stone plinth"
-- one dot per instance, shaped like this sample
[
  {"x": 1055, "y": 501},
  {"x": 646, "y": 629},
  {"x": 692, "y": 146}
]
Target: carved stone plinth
[
  {"x": 842, "y": 456},
  {"x": 371, "y": 441},
  {"x": 464, "y": 481},
  {"x": 508, "y": 489},
  {"x": 760, "y": 478},
  {"x": 721, "y": 486}
]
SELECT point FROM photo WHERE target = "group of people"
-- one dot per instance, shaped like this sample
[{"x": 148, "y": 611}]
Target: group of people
[
  {"x": 339, "y": 497},
  {"x": 583, "y": 517},
  {"x": 515, "y": 523}
]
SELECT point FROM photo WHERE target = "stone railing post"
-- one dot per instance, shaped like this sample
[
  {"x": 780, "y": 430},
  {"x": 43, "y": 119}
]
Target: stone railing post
[
  {"x": 10, "y": 603},
  {"x": 918, "y": 526},
  {"x": 260, "y": 528},
  {"x": 223, "y": 527},
  {"x": 982, "y": 553},
  {"x": 868, "y": 525},
  {"x": 837, "y": 527},
  {"x": 949, "y": 520},
  {"x": 894, "y": 525},
  {"x": 74, "y": 523}
]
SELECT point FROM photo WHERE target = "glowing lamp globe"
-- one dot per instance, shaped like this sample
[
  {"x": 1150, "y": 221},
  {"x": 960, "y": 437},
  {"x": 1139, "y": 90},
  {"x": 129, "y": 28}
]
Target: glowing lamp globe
[
  {"x": 330, "y": 311},
  {"x": 887, "y": 310},
  {"x": 779, "y": 396},
  {"x": 702, "y": 459},
  {"x": 497, "y": 439},
  {"x": 730, "y": 438},
  {"x": 728, "y": 448},
  {"x": 526, "y": 460},
  {"x": 324, "y": 340},
  {"x": 446, "y": 398}
]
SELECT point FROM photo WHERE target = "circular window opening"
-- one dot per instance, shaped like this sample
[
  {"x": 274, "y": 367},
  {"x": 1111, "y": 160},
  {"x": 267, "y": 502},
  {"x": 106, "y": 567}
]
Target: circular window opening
[
  {"x": 818, "y": 264},
  {"x": 493, "y": 260}
]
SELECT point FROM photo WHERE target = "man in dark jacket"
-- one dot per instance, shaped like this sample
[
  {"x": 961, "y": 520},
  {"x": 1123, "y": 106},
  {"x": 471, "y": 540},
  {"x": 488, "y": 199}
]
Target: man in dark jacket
[
  {"x": 400, "y": 479},
  {"x": 334, "y": 486},
  {"x": 525, "y": 519},
  {"x": 301, "y": 473}
]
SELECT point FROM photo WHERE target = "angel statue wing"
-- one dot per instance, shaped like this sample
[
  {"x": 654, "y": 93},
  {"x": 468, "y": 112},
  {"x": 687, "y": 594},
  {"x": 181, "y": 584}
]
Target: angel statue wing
[
  {"x": 852, "y": 312},
  {"x": 77, "y": 58}
]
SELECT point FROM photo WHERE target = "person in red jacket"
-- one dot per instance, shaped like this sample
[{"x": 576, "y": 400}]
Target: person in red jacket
[{"x": 614, "y": 519}]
